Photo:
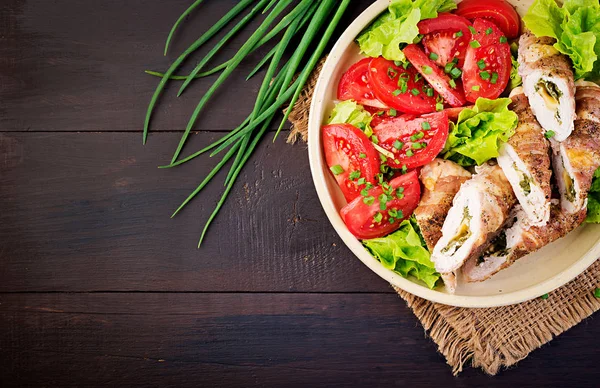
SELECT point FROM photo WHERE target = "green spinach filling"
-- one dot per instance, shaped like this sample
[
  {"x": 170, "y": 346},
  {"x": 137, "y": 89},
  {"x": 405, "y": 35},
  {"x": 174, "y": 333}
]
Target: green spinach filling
[{"x": 463, "y": 233}]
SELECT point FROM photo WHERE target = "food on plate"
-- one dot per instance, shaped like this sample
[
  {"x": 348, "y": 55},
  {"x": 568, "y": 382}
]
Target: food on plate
[
  {"x": 428, "y": 99},
  {"x": 576, "y": 159},
  {"x": 519, "y": 240},
  {"x": 548, "y": 83},
  {"x": 525, "y": 160},
  {"x": 478, "y": 212}
]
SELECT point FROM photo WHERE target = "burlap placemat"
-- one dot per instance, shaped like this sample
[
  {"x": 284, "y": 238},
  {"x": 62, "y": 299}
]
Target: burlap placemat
[{"x": 490, "y": 338}]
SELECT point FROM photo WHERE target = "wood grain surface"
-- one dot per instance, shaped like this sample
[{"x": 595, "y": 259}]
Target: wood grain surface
[{"x": 99, "y": 287}]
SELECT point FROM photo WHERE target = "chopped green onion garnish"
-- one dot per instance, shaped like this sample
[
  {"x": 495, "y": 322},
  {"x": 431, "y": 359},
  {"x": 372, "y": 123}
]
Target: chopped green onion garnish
[
  {"x": 337, "y": 169},
  {"x": 404, "y": 171},
  {"x": 472, "y": 29},
  {"x": 429, "y": 91},
  {"x": 361, "y": 126},
  {"x": 448, "y": 68},
  {"x": 489, "y": 31},
  {"x": 398, "y": 63},
  {"x": 396, "y": 92},
  {"x": 452, "y": 83},
  {"x": 393, "y": 212},
  {"x": 475, "y": 88},
  {"x": 597, "y": 293},
  {"x": 417, "y": 136},
  {"x": 409, "y": 152},
  {"x": 364, "y": 192},
  {"x": 459, "y": 34},
  {"x": 361, "y": 181},
  {"x": 415, "y": 92},
  {"x": 484, "y": 75},
  {"x": 455, "y": 73},
  {"x": 475, "y": 44},
  {"x": 380, "y": 113},
  {"x": 418, "y": 77},
  {"x": 549, "y": 134},
  {"x": 382, "y": 206},
  {"x": 494, "y": 78},
  {"x": 391, "y": 220},
  {"x": 354, "y": 175},
  {"x": 481, "y": 64},
  {"x": 425, "y": 125},
  {"x": 369, "y": 200},
  {"x": 382, "y": 198},
  {"x": 503, "y": 39},
  {"x": 545, "y": 296},
  {"x": 392, "y": 73},
  {"x": 374, "y": 139},
  {"x": 392, "y": 112},
  {"x": 362, "y": 155},
  {"x": 427, "y": 69},
  {"x": 433, "y": 56},
  {"x": 383, "y": 158},
  {"x": 417, "y": 146},
  {"x": 398, "y": 144},
  {"x": 377, "y": 217},
  {"x": 405, "y": 65},
  {"x": 439, "y": 106}
]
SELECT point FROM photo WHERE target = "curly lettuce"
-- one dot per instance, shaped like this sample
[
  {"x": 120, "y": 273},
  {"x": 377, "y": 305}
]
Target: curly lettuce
[
  {"x": 349, "y": 112},
  {"x": 593, "y": 206},
  {"x": 575, "y": 26},
  {"x": 405, "y": 253},
  {"x": 479, "y": 132},
  {"x": 398, "y": 26}
]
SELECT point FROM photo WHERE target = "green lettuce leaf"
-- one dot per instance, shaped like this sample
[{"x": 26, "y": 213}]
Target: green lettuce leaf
[
  {"x": 398, "y": 26},
  {"x": 405, "y": 252},
  {"x": 478, "y": 132},
  {"x": 593, "y": 206},
  {"x": 576, "y": 26},
  {"x": 349, "y": 112}
]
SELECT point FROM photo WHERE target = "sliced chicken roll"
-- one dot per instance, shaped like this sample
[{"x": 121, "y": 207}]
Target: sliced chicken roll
[
  {"x": 519, "y": 240},
  {"x": 478, "y": 213},
  {"x": 549, "y": 84},
  {"x": 525, "y": 161},
  {"x": 575, "y": 159},
  {"x": 441, "y": 181}
]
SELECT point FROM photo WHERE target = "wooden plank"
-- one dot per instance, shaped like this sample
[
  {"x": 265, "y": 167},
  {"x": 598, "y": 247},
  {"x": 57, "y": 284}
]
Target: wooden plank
[
  {"x": 230, "y": 340},
  {"x": 69, "y": 66},
  {"x": 90, "y": 211}
]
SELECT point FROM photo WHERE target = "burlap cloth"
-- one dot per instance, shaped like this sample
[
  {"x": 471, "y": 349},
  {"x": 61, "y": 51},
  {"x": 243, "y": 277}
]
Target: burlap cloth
[{"x": 491, "y": 338}]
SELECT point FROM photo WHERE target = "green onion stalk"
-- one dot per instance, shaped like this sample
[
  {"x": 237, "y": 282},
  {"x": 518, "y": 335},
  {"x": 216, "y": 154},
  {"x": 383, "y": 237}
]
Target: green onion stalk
[{"x": 311, "y": 20}]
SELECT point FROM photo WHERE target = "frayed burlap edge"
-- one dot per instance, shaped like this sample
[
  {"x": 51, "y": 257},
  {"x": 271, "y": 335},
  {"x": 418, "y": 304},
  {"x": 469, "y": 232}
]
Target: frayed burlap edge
[{"x": 492, "y": 338}]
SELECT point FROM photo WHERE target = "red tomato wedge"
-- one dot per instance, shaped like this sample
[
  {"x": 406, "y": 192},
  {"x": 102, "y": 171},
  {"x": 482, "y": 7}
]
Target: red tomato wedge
[
  {"x": 445, "y": 38},
  {"x": 399, "y": 88},
  {"x": 367, "y": 218},
  {"x": 487, "y": 64},
  {"x": 498, "y": 11},
  {"x": 351, "y": 156},
  {"x": 354, "y": 85},
  {"x": 434, "y": 75},
  {"x": 413, "y": 141}
]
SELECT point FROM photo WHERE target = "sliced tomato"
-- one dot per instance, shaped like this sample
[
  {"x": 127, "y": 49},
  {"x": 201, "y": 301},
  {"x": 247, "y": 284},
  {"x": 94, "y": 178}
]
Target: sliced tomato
[
  {"x": 454, "y": 112},
  {"x": 400, "y": 88},
  {"x": 367, "y": 218},
  {"x": 354, "y": 85},
  {"x": 414, "y": 141},
  {"x": 499, "y": 11},
  {"x": 350, "y": 155},
  {"x": 445, "y": 38},
  {"x": 487, "y": 66},
  {"x": 434, "y": 75}
]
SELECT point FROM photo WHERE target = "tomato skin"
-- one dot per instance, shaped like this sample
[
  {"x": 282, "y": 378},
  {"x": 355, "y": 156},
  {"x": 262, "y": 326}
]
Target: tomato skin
[
  {"x": 384, "y": 76},
  {"x": 343, "y": 144},
  {"x": 436, "y": 77},
  {"x": 440, "y": 37},
  {"x": 355, "y": 85},
  {"x": 498, "y": 11},
  {"x": 497, "y": 59},
  {"x": 358, "y": 216},
  {"x": 454, "y": 112},
  {"x": 394, "y": 129}
]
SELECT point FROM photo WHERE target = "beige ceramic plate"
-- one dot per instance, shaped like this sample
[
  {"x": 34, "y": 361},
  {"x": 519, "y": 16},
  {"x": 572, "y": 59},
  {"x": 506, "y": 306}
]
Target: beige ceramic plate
[{"x": 530, "y": 277}]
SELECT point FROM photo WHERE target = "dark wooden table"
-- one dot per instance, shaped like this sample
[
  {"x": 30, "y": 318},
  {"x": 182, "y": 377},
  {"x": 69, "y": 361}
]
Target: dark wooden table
[{"x": 99, "y": 287}]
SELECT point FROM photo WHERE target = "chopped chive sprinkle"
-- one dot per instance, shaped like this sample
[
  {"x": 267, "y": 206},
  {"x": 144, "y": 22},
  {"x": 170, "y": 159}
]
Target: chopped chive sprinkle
[
  {"x": 380, "y": 113},
  {"x": 337, "y": 169},
  {"x": 597, "y": 293},
  {"x": 364, "y": 192},
  {"x": 425, "y": 125},
  {"x": 448, "y": 68},
  {"x": 433, "y": 56},
  {"x": 452, "y": 83},
  {"x": 362, "y": 155},
  {"x": 374, "y": 139},
  {"x": 382, "y": 198},
  {"x": 472, "y": 29},
  {"x": 354, "y": 175},
  {"x": 382, "y": 205},
  {"x": 545, "y": 296},
  {"x": 361, "y": 181},
  {"x": 409, "y": 152},
  {"x": 439, "y": 106},
  {"x": 377, "y": 217},
  {"x": 475, "y": 44},
  {"x": 391, "y": 220},
  {"x": 398, "y": 63},
  {"x": 494, "y": 78},
  {"x": 392, "y": 73},
  {"x": 405, "y": 65},
  {"x": 481, "y": 64},
  {"x": 484, "y": 75},
  {"x": 396, "y": 92},
  {"x": 400, "y": 214},
  {"x": 415, "y": 92},
  {"x": 549, "y": 134},
  {"x": 369, "y": 186},
  {"x": 475, "y": 88},
  {"x": 489, "y": 31},
  {"x": 369, "y": 200},
  {"x": 396, "y": 161},
  {"x": 503, "y": 39},
  {"x": 404, "y": 170},
  {"x": 361, "y": 126},
  {"x": 417, "y": 136},
  {"x": 417, "y": 146},
  {"x": 427, "y": 69},
  {"x": 398, "y": 144},
  {"x": 392, "y": 112},
  {"x": 459, "y": 34},
  {"x": 383, "y": 158},
  {"x": 418, "y": 77},
  {"x": 393, "y": 212},
  {"x": 429, "y": 92},
  {"x": 455, "y": 73}
]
